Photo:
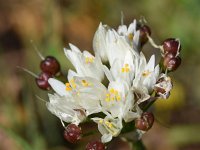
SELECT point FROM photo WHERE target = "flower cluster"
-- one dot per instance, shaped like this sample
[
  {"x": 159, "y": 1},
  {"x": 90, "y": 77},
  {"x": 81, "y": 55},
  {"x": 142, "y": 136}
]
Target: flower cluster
[{"x": 118, "y": 82}]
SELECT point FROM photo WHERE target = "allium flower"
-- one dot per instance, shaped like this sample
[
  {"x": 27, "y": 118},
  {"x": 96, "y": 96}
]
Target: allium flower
[
  {"x": 131, "y": 81},
  {"x": 146, "y": 73},
  {"x": 85, "y": 63},
  {"x": 109, "y": 127},
  {"x": 66, "y": 108},
  {"x": 100, "y": 42},
  {"x": 131, "y": 34}
]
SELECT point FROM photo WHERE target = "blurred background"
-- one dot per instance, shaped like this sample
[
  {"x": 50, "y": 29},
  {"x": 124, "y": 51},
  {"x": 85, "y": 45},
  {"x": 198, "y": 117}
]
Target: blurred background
[{"x": 26, "y": 124}]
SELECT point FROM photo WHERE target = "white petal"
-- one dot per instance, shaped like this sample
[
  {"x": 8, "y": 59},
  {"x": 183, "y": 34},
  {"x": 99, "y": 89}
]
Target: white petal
[
  {"x": 58, "y": 86},
  {"x": 151, "y": 63},
  {"x": 99, "y": 42},
  {"x": 71, "y": 74},
  {"x": 108, "y": 74},
  {"x": 122, "y": 30},
  {"x": 132, "y": 27},
  {"x": 106, "y": 138},
  {"x": 74, "y": 48}
]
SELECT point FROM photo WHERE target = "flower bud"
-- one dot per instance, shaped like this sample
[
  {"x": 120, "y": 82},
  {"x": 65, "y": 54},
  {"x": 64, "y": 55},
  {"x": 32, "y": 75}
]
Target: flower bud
[
  {"x": 95, "y": 145},
  {"x": 171, "y": 45},
  {"x": 145, "y": 122},
  {"x": 144, "y": 30},
  {"x": 42, "y": 80},
  {"x": 72, "y": 133},
  {"x": 171, "y": 62},
  {"x": 50, "y": 65}
]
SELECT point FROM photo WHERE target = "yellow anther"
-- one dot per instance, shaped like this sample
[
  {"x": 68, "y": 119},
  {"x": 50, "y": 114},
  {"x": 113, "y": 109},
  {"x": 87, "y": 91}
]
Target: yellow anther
[
  {"x": 112, "y": 91},
  {"x": 108, "y": 95},
  {"x": 108, "y": 124},
  {"x": 130, "y": 36},
  {"x": 89, "y": 60},
  {"x": 126, "y": 68},
  {"x": 68, "y": 87},
  {"x": 72, "y": 83},
  {"x": 85, "y": 83},
  {"x": 118, "y": 98},
  {"x": 107, "y": 99},
  {"x": 126, "y": 65},
  {"x": 101, "y": 121},
  {"x": 112, "y": 95},
  {"x": 67, "y": 84},
  {"x": 146, "y": 73}
]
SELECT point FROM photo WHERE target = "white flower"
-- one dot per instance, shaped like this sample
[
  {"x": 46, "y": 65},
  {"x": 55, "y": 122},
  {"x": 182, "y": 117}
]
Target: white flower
[
  {"x": 123, "y": 69},
  {"x": 131, "y": 81},
  {"x": 131, "y": 34},
  {"x": 100, "y": 43},
  {"x": 108, "y": 127},
  {"x": 66, "y": 108},
  {"x": 163, "y": 86},
  {"x": 146, "y": 73},
  {"x": 85, "y": 63},
  {"x": 90, "y": 93},
  {"x": 86, "y": 92},
  {"x": 109, "y": 45},
  {"x": 119, "y": 101},
  {"x": 117, "y": 47}
]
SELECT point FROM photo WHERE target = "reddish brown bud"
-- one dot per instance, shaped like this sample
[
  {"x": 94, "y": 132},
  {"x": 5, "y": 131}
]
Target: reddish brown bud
[
  {"x": 145, "y": 122},
  {"x": 95, "y": 145},
  {"x": 42, "y": 80},
  {"x": 50, "y": 65},
  {"x": 144, "y": 30},
  {"x": 72, "y": 133},
  {"x": 171, "y": 45},
  {"x": 171, "y": 62}
]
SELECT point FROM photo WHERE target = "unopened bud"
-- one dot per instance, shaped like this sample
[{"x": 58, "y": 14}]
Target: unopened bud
[
  {"x": 171, "y": 45},
  {"x": 171, "y": 62},
  {"x": 42, "y": 80},
  {"x": 95, "y": 145},
  {"x": 72, "y": 133},
  {"x": 51, "y": 65},
  {"x": 145, "y": 122},
  {"x": 144, "y": 31}
]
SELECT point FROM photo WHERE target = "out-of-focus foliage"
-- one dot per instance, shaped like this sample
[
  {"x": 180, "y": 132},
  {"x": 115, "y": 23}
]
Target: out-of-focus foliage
[{"x": 25, "y": 122}]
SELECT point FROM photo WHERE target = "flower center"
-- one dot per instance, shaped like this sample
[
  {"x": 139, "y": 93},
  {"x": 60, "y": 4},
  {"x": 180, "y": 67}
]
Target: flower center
[
  {"x": 109, "y": 126},
  {"x": 70, "y": 85},
  {"x": 130, "y": 36},
  {"x": 89, "y": 60},
  {"x": 126, "y": 68},
  {"x": 85, "y": 83},
  {"x": 112, "y": 95},
  {"x": 146, "y": 73}
]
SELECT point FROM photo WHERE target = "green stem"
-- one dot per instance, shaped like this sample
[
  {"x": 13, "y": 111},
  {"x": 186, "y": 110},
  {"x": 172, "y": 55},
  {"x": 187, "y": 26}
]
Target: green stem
[
  {"x": 138, "y": 145},
  {"x": 149, "y": 105}
]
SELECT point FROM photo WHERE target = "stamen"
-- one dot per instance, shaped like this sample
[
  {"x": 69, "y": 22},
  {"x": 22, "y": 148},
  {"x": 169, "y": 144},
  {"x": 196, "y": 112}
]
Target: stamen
[
  {"x": 89, "y": 60},
  {"x": 85, "y": 83},
  {"x": 101, "y": 121},
  {"x": 68, "y": 86},
  {"x": 130, "y": 36},
  {"x": 146, "y": 73},
  {"x": 126, "y": 68},
  {"x": 72, "y": 83},
  {"x": 112, "y": 95}
]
